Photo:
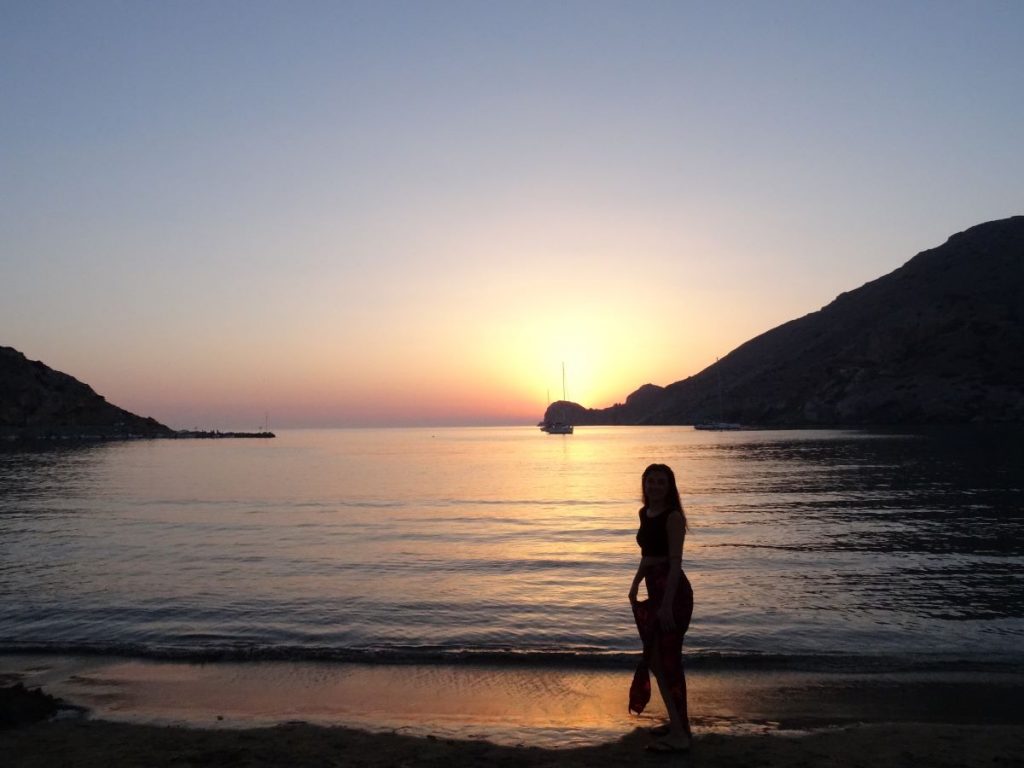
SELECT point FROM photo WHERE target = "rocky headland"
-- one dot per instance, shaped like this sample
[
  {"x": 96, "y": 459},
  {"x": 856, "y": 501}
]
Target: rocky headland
[
  {"x": 938, "y": 341},
  {"x": 37, "y": 402}
]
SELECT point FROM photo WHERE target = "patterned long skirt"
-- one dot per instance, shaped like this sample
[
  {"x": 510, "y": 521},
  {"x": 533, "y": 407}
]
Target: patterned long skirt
[{"x": 669, "y": 644}]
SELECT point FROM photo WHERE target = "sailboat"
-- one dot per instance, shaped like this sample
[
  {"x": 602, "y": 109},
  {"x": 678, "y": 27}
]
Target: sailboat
[
  {"x": 720, "y": 425},
  {"x": 558, "y": 427}
]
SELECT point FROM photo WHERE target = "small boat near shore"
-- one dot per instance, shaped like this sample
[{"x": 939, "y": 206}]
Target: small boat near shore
[
  {"x": 718, "y": 426},
  {"x": 556, "y": 426}
]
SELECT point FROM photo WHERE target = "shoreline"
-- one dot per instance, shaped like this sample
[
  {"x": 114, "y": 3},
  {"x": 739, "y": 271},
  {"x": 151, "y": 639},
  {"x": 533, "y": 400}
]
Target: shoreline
[
  {"x": 260, "y": 714},
  {"x": 539, "y": 707},
  {"x": 51, "y": 437}
]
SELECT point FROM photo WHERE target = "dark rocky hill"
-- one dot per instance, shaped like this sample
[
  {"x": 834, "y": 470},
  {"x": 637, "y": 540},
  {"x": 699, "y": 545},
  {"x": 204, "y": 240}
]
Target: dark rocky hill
[
  {"x": 37, "y": 402},
  {"x": 939, "y": 340}
]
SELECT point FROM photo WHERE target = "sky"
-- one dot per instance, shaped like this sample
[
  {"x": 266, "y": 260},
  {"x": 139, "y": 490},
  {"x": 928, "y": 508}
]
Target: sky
[{"x": 329, "y": 214}]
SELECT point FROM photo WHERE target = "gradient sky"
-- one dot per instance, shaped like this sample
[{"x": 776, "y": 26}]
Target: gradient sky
[{"x": 413, "y": 213}]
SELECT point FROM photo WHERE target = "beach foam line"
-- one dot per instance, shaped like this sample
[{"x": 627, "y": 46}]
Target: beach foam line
[{"x": 585, "y": 658}]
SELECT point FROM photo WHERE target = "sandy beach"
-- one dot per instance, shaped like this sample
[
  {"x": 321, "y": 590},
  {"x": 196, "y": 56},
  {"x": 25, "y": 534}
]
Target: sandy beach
[
  {"x": 104, "y": 744},
  {"x": 149, "y": 713}
]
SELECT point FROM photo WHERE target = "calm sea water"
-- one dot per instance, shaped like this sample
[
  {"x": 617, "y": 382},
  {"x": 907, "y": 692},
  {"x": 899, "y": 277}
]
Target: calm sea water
[{"x": 808, "y": 548}]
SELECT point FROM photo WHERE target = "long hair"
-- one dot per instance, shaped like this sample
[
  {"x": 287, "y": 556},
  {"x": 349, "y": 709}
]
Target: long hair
[{"x": 674, "y": 502}]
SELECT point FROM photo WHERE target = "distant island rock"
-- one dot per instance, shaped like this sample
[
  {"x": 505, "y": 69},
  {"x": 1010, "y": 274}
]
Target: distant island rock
[
  {"x": 938, "y": 341},
  {"x": 39, "y": 402}
]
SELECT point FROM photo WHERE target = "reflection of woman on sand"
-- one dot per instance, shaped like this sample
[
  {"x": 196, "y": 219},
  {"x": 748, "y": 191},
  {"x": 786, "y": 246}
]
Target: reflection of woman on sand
[{"x": 665, "y": 615}]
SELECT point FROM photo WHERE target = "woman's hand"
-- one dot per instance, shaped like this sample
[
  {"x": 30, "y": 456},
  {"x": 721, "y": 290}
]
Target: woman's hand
[
  {"x": 634, "y": 589},
  {"x": 665, "y": 617}
]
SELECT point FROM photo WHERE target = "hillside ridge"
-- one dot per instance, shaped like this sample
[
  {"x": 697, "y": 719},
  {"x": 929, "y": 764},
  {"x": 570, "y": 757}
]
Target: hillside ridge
[
  {"x": 37, "y": 401},
  {"x": 938, "y": 340}
]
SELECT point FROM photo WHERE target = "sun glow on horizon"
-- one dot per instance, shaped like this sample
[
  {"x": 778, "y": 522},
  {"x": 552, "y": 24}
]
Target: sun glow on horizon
[{"x": 358, "y": 216}]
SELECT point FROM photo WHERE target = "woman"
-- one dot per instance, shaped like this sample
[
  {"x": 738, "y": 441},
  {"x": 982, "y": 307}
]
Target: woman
[{"x": 665, "y": 615}]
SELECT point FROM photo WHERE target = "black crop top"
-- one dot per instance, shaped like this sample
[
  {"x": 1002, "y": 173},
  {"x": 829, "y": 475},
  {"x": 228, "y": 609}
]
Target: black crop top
[{"x": 653, "y": 534}]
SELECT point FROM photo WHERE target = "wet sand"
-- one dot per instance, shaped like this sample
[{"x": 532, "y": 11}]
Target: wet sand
[{"x": 304, "y": 713}]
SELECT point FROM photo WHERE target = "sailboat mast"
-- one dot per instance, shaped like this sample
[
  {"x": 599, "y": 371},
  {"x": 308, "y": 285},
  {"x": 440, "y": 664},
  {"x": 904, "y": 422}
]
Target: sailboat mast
[{"x": 721, "y": 412}]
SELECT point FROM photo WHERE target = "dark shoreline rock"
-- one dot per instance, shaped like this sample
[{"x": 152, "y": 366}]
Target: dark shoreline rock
[
  {"x": 205, "y": 434},
  {"x": 20, "y": 705}
]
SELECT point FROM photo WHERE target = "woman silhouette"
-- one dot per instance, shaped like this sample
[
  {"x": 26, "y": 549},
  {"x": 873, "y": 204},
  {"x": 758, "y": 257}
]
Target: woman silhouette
[{"x": 664, "y": 616}]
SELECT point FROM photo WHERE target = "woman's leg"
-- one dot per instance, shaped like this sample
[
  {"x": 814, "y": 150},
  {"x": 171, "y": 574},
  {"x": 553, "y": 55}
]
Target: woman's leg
[{"x": 679, "y": 726}]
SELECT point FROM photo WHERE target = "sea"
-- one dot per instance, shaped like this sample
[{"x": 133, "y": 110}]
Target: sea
[{"x": 807, "y": 550}]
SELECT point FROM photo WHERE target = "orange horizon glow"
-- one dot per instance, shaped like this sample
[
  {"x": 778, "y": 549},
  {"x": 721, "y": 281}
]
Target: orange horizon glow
[{"x": 440, "y": 370}]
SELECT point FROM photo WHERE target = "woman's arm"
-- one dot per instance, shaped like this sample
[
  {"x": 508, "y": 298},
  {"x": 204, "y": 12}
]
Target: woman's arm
[
  {"x": 676, "y": 533},
  {"x": 634, "y": 589}
]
